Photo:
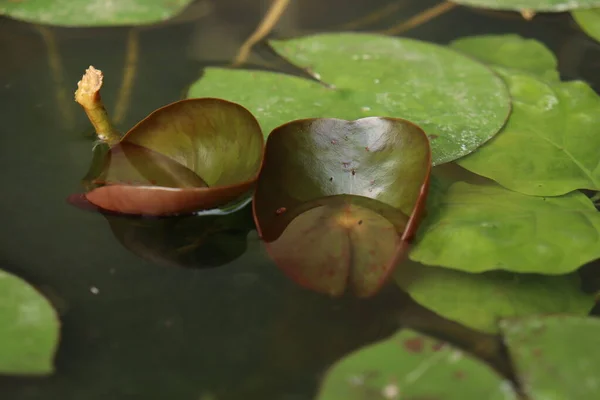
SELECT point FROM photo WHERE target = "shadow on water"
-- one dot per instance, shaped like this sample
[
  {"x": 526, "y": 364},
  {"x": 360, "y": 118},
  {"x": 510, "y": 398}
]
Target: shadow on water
[{"x": 133, "y": 328}]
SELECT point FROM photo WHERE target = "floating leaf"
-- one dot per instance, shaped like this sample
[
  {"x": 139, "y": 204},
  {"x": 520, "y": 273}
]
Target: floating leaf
[
  {"x": 550, "y": 144},
  {"x": 555, "y": 357},
  {"x": 478, "y": 228},
  {"x": 588, "y": 21},
  {"x": 29, "y": 329},
  {"x": 337, "y": 201},
  {"x": 413, "y": 366},
  {"x": 459, "y": 102},
  {"x": 190, "y": 155},
  {"x": 534, "y": 5},
  {"x": 92, "y": 12},
  {"x": 480, "y": 300}
]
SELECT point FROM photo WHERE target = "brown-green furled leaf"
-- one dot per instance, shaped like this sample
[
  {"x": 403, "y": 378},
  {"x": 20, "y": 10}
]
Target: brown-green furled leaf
[
  {"x": 533, "y": 5},
  {"x": 459, "y": 102},
  {"x": 410, "y": 365},
  {"x": 484, "y": 227},
  {"x": 555, "y": 357},
  {"x": 92, "y": 12},
  {"x": 588, "y": 21},
  {"x": 480, "y": 300},
  {"x": 338, "y": 201},
  {"x": 29, "y": 329},
  {"x": 187, "y": 156},
  {"x": 550, "y": 145}
]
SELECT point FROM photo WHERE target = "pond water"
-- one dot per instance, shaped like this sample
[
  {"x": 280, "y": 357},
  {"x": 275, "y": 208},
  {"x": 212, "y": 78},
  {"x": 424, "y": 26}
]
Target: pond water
[{"x": 138, "y": 328}]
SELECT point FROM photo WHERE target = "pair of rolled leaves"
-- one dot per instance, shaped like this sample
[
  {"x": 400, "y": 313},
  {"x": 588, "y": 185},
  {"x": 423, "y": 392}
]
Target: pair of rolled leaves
[{"x": 336, "y": 202}]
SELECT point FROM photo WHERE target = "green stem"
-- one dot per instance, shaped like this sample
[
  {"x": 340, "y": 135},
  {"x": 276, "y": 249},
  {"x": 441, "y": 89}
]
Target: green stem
[{"x": 88, "y": 96}]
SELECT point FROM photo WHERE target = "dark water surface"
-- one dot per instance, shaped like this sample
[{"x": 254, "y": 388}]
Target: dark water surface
[{"x": 139, "y": 329}]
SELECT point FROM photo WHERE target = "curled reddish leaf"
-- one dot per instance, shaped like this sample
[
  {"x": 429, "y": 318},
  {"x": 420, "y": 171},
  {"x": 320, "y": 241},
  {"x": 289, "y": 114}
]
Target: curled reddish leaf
[
  {"x": 337, "y": 201},
  {"x": 187, "y": 156}
]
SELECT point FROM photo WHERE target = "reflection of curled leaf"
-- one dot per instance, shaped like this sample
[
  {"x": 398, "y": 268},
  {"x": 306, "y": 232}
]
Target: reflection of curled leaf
[{"x": 198, "y": 241}]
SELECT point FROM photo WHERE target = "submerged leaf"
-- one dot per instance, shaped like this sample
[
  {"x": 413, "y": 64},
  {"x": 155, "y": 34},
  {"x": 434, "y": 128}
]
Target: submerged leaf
[
  {"x": 459, "y": 102},
  {"x": 555, "y": 357},
  {"x": 551, "y": 143},
  {"x": 588, "y": 21},
  {"x": 92, "y": 12},
  {"x": 337, "y": 201},
  {"x": 29, "y": 329},
  {"x": 478, "y": 228},
  {"x": 480, "y": 300},
  {"x": 534, "y": 5},
  {"x": 410, "y": 365},
  {"x": 190, "y": 155}
]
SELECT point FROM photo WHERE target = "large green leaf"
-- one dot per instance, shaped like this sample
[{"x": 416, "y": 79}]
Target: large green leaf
[
  {"x": 29, "y": 329},
  {"x": 480, "y": 300},
  {"x": 555, "y": 357},
  {"x": 535, "y": 5},
  {"x": 337, "y": 201},
  {"x": 410, "y": 365},
  {"x": 187, "y": 156},
  {"x": 92, "y": 12},
  {"x": 589, "y": 21},
  {"x": 478, "y": 228},
  {"x": 551, "y": 142},
  {"x": 459, "y": 102}
]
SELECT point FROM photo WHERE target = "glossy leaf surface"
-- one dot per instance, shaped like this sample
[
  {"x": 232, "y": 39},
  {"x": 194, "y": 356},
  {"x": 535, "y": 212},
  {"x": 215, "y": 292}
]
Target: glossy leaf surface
[
  {"x": 589, "y": 21},
  {"x": 410, "y": 365},
  {"x": 338, "y": 200},
  {"x": 187, "y": 156},
  {"x": 477, "y": 228},
  {"x": 555, "y": 357},
  {"x": 480, "y": 300},
  {"x": 535, "y": 5},
  {"x": 29, "y": 329},
  {"x": 459, "y": 102},
  {"x": 92, "y": 12},
  {"x": 551, "y": 142}
]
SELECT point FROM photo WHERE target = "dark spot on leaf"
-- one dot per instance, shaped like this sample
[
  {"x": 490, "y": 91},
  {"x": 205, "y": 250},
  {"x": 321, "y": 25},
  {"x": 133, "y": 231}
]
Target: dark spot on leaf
[
  {"x": 414, "y": 345},
  {"x": 460, "y": 374},
  {"x": 346, "y": 138},
  {"x": 346, "y": 164},
  {"x": 280, "y": 210},
  {"x": 367, "y": 148},
  {"x": 360, "y": 222},
  {"x": 353, "y": 172},
  {"x": 537, "y": 352},
  {"x": 331, "y": 179}
]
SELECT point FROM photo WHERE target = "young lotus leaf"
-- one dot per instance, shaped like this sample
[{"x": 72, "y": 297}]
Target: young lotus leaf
[
  {"x": 555, "y": 357},
  {"x": 534, "y": 5},
  {"x": 589, "y": 21},
  {"x": 480, "y": 300},
  {"x": 550, "y": 144},
  {"x": 337, "y": 201},
  {"x": 477, "y": 228},
  {"x": 92, "y": 12},
  {"x": 29, "y": 329},
  {"x": 410, "y": 365},
  {"x": 459, "y": 102},
  {"x": 190, "y": 155}
]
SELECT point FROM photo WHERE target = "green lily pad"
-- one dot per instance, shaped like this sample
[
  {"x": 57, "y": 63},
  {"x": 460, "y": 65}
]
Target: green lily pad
[
  {"x": 555, "y": 357},
  {"x": 187, "y": 156},
  {"x": 92, "y": 12},
  {"x": 588, "y": 21},
  {"x": 550, "y": 144},
  {"x": 535, "y": 5},
  {"x": 480, "y": 300},
  {"x": 410, "y": 365},
  {"x": 477, "y": 228},
  {"x": 29, "y": 329},
  {"x": 459, "y": 102},
  {"x": 338, "y": 201}
]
